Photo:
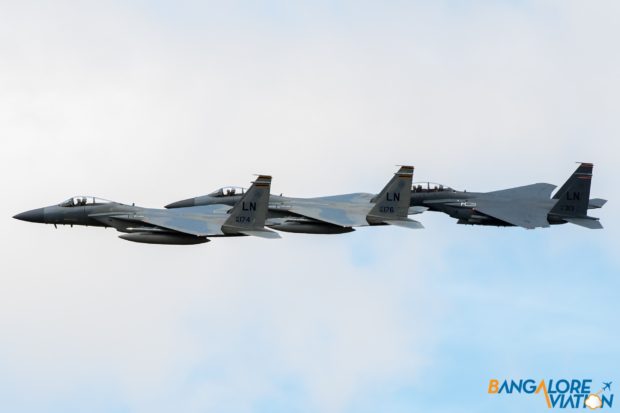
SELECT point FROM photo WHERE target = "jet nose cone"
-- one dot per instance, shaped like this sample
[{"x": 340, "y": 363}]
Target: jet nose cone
[
  {"x": 181, "y": 204},
  {"x": 34, "y": 215}
]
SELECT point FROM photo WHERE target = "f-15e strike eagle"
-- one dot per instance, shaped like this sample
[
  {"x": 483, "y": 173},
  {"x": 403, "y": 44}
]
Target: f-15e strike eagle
[
  {"x": 529, "y": 206},
  {"x": 236, "y": 212}
]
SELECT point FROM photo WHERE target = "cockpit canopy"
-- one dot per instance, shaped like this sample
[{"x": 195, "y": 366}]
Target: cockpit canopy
[
  {"x": 83, "y": 201},
  {"x": 429, "y": 187},
  {"x": 228, "y": 191}
]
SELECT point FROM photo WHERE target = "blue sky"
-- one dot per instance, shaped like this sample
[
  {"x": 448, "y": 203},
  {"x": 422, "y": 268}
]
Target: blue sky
[{"x": 156, "y": 102}]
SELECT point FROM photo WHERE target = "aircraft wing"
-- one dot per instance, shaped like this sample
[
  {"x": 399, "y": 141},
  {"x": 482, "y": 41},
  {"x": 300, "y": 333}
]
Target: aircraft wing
[
  {"x": 519, "y": 213},
  {"x": 199, "y": 226},
  {"x": 534, "y": 191},
  {"x": 596, "y": 203},
  {"x": 195, "y": 223},
  {"x": 350, "y": 210},
  {"x": 390, "y": 206},
  {"x": 588, "y": 222},
  {"x": 341, "y": 215},
  {"x": 523, "y": 206},
  {"x": 350, "y": 215}
]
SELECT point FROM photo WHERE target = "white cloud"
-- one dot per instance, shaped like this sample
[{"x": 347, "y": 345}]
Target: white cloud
[{"x": 155, "y": 105}]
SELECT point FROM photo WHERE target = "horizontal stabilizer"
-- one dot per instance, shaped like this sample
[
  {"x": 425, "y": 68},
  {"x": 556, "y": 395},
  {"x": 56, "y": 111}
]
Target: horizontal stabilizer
[
  {"x": 416, "y": 210},
  {"x": 406, "y": 223},
  {"x": 592, "y": 223},
  {"x": 263, "y": 233},
  {"x": 596, "y": 203}
]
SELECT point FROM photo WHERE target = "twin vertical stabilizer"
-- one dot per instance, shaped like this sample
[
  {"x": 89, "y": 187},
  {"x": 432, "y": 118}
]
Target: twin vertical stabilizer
[
  {"x": 573, "y": 199},
  {"x": 248, "y": 215},
  {"x": 392, "y": 203}
]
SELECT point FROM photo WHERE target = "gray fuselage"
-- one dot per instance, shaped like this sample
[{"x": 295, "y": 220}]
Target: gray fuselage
[{"x": 461, "y": 205}]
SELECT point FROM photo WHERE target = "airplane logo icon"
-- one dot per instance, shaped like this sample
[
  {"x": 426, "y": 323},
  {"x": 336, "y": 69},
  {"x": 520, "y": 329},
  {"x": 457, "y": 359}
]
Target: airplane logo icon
[{"x": 607, "y": 386}]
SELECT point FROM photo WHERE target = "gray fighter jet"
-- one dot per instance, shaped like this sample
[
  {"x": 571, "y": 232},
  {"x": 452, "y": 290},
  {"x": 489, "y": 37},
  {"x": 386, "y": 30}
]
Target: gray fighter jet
[
  {"x": 329, "y": 214},
  {"x": 194, "y": 225},
  {"x": 529, "y": 206}
]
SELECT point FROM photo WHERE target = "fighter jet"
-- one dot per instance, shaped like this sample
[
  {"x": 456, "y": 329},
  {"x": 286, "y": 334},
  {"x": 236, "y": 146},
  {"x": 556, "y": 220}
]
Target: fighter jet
[
  {"x": 329, "y": 214},
  {"x": 529, "y": 206},
  {"x": 194, "y": 225}
]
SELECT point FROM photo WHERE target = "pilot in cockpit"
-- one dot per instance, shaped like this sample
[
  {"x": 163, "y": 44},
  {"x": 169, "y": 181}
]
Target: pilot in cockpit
[{"x": 230, "y": 191}]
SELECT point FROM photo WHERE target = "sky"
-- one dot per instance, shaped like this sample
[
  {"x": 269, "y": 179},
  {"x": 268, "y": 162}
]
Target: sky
[{"x": 153, "y": 102}]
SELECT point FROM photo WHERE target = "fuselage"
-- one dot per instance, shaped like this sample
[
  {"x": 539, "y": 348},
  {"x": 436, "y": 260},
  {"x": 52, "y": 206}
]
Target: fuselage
[
  {"x": 461, "y": 205},
  {"x": 280, "y": 215},
  {"x": 124, "y": 218}
]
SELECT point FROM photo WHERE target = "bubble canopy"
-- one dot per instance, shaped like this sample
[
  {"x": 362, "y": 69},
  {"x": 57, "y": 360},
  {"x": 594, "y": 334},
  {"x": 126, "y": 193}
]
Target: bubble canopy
[
  {"x": 429, "y": 187},
  {"x": 228, "y": 191},
  {"x": 82, "y": 200}
]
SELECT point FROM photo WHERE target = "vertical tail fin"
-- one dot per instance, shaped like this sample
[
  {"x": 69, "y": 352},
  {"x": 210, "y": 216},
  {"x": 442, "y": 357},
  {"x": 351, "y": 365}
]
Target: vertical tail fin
[
  {"x": 574, "y": 196},
  {"x": 392, "y": 203},
  {"x": 248, "y": 215}
]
